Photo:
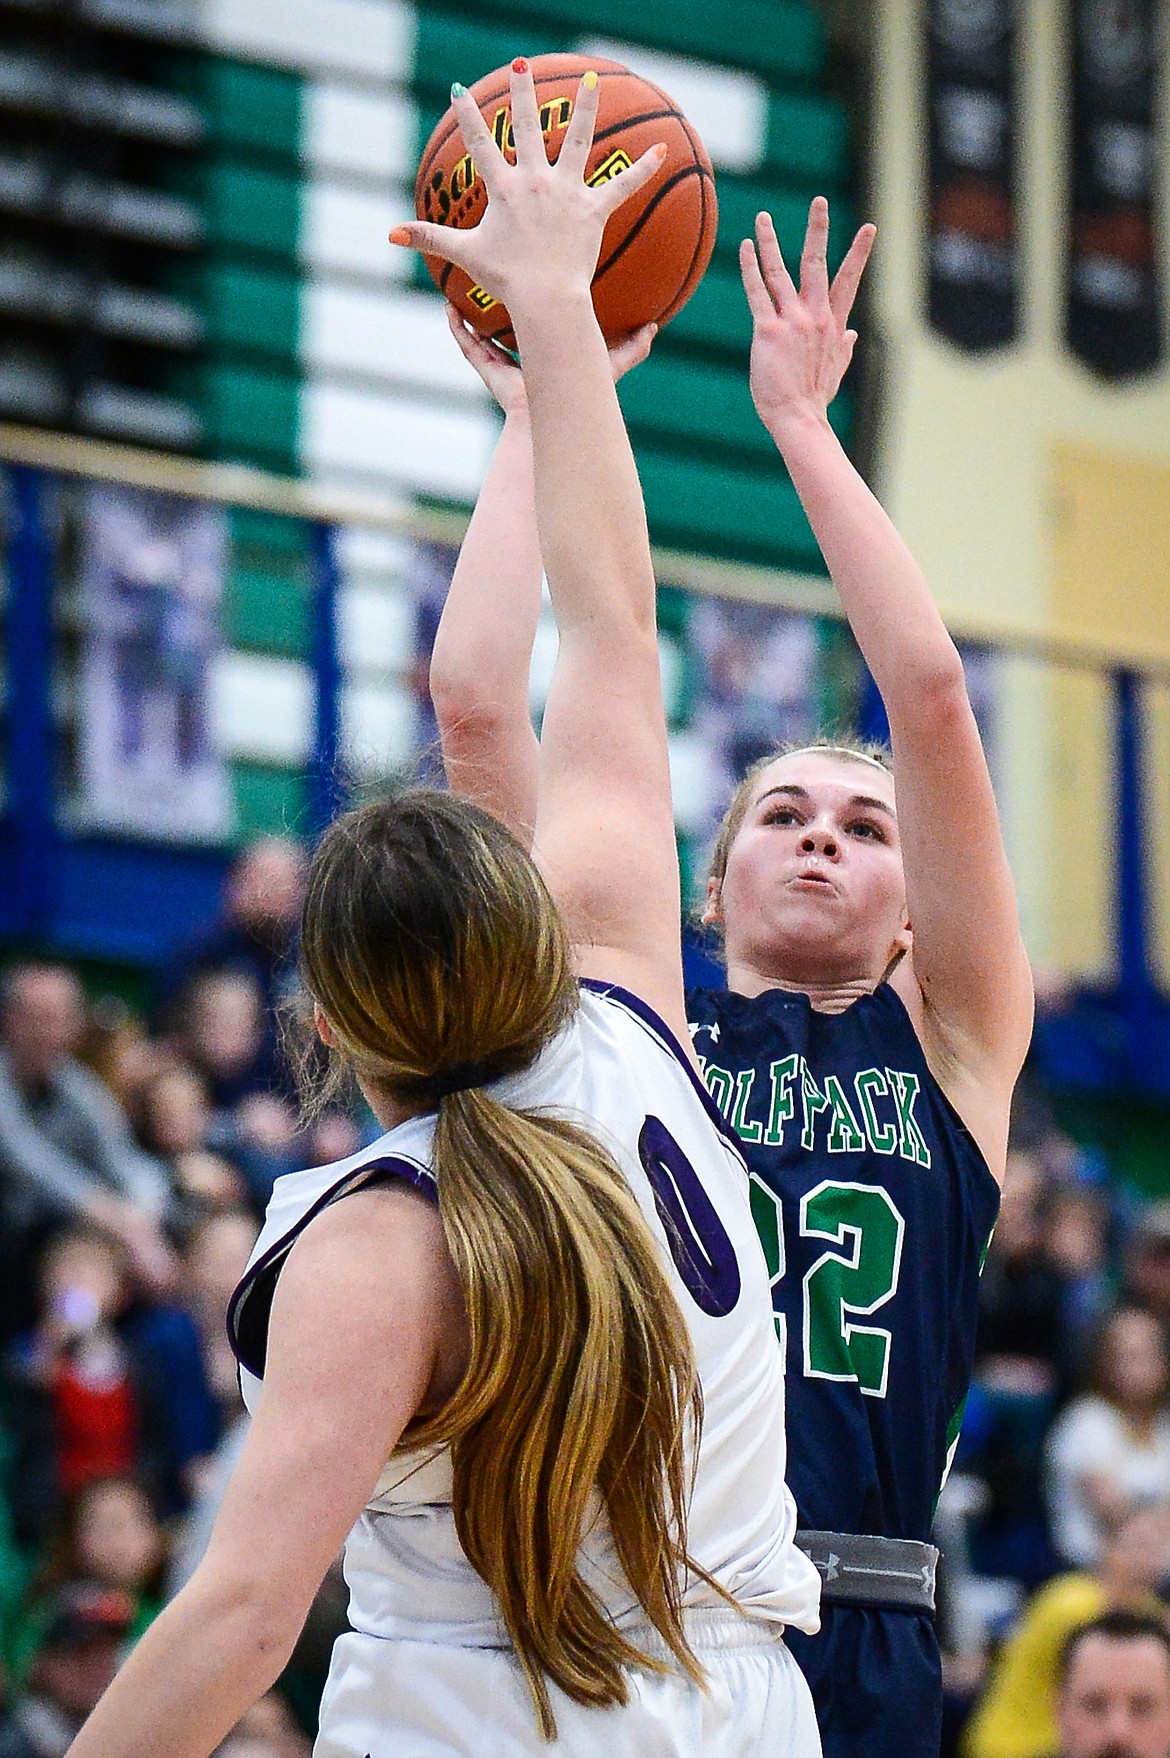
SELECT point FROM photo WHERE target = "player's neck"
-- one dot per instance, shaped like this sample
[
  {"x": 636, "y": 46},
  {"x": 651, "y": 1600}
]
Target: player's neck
[{"x": 834, "y": 997}]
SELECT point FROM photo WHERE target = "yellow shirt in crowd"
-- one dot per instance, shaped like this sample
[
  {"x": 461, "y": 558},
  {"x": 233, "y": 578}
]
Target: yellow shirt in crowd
[{"x": 1016, "y": 1717}]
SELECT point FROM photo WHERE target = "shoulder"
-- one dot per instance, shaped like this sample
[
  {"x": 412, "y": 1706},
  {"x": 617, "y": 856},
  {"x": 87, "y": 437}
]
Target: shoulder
[{"x": 372, "y": 1273}]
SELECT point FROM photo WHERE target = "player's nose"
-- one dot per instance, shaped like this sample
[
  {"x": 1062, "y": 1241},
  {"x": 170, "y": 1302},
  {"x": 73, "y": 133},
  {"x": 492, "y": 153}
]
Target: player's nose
[{"x": 820, "y": 840}]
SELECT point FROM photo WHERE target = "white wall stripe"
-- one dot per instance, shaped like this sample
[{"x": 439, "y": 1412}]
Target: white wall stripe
[
  {"x": 372, "y": 134},
  {"x": 374, "y": 38},
  {"x": 347, "y": 433},
  {"x": 400, "y": 336},
  {"x": 379, "y": 727},
  {"x": 262, "y": 708},
  {"x": 344, "y": 231},
  {"x": 728, "y": 107}
]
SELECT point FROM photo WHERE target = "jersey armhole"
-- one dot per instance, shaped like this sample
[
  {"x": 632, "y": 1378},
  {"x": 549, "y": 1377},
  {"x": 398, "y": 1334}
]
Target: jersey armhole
[
  {"x": 657, "y": 1028},
  {"x": 250, "y": 1306}
]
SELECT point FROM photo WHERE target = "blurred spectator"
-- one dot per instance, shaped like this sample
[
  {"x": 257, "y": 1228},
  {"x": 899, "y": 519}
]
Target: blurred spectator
[
  {"x": 1016, "y": 1717},
  {"x": 184, "y": 1347},
  {"x": 221, "y": 1032},
  {"x": 255, "y": 935},
  {"x": 110, "y": 1537},
  {"x": 1109, "y": 1451},
  {"x": 65, "y": 1149},
  {"x": 120, "y": 1051},
  {"x": 1022, "y": 1295},
  {"x": 177, "y": 1125},
  {"x": 82, "y": 1645},
  {"x": 1115, "y": 1689},
  {"x": 266, "y": 1731},
  {"x": 1078, "y": 1248},
  {"x": 79, "y": 1404},
  {"x": 1147, "y": 1261}
]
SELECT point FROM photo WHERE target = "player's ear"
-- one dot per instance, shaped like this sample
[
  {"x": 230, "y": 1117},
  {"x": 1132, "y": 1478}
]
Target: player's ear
[
  {"x": 712, "y": 916},
  {"x": 322, "y": 1027}
]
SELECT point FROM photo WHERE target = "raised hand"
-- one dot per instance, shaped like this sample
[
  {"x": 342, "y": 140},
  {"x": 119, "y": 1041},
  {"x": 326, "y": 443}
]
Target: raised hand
[
  {"x": 541, "y": 234},
  {"x": 502, "y": 376},
  {"x": 801, "y": 342}
]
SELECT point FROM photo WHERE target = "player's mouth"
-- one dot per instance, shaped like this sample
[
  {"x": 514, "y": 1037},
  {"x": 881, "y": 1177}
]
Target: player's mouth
[{"x": 812, "y": 879}]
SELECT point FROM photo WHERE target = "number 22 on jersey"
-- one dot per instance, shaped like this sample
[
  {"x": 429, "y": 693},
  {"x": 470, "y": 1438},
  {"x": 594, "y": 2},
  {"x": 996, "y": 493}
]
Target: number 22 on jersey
[{"x": 848, "y": 1283}]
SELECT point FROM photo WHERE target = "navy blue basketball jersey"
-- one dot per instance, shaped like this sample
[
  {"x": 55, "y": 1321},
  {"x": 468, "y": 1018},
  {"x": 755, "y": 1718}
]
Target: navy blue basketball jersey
[{"x": 875, "y": 1208}]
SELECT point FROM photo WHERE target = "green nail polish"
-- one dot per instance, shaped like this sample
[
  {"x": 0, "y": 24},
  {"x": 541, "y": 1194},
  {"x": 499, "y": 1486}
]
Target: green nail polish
[{"x": 458, "y": 89}]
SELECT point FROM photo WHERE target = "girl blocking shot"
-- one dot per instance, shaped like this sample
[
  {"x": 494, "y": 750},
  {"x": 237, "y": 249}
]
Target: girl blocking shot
[
  {"x": 877, "y": 1007},
  {"x": 518, "y": 1356}
]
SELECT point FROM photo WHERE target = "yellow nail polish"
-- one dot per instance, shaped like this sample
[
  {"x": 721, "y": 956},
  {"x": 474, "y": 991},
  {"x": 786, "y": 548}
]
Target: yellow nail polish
[{"x": 589, "y": 80}]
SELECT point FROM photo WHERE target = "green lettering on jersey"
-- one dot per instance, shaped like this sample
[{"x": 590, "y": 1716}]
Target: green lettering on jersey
[
  {"x": 911, "y": 1141},
  {"x": 783, "y": 1106},
  {"x": 850, "y": 1281},
  {"x": 720, "y": 1085},
  {"x": 845, "y": 1136},
  {"x": 814, "y": 1102},
  {"x": 750, "y": 1132},
  {"x": 871, "y": 1083}
]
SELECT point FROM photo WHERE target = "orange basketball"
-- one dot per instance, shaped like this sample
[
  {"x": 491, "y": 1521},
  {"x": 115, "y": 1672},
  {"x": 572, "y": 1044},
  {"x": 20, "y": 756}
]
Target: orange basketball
[{"x": 658, "y": 243}]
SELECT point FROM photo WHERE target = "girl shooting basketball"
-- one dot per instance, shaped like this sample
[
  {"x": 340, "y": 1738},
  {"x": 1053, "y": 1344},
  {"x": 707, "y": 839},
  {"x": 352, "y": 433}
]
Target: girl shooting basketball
[
  {"x": 877, "y": 1012},
  {"x": 480, "y": 1348}
]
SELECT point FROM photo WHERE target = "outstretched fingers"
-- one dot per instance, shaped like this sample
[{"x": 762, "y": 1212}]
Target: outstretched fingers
[
  {"x": 447, "y": 242},
  {"x": 611, "y": 195},
  {"x": 814, "y": 259},
  {"x": 848, "y": 277},
  {"x": 776, "y": 277},
  {"x": 526, "y": 129},
  {"x": 579, "y": 134},
  {"x": 760, "y": 301},
  {"x": 477, "y": 138}
]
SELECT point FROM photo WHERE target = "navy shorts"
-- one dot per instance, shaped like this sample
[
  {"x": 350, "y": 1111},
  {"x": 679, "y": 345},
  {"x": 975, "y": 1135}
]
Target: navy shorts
[{"x": 876, "y": 1681}]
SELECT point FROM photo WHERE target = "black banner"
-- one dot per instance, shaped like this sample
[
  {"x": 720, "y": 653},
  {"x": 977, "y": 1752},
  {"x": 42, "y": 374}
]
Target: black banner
[
  {"x": 974, "y": 252},
  {"x": 1113, "y": 319}
]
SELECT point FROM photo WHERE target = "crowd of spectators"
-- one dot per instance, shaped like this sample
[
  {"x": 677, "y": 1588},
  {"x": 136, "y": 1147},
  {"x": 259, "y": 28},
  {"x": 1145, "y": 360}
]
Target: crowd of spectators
[{"x": 137, "y": 1153}]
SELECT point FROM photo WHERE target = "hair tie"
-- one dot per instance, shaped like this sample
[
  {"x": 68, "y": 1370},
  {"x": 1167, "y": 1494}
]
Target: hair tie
[{"x": 460, "y": 1079}]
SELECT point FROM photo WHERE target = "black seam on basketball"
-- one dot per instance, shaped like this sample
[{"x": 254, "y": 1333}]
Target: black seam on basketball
[
  {"x": 659, "y": 196},
  {"x": 686, "y": 289}
]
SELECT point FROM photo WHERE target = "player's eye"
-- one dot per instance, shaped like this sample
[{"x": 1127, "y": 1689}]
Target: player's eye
[
  {"x": 781, "y": 815},
  {"x": 867, "y": 830}
]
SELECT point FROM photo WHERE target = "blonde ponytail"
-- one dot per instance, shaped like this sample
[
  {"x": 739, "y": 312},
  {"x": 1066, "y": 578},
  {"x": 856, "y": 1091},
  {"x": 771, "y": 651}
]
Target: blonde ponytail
[{"x": 431, "y": 944}]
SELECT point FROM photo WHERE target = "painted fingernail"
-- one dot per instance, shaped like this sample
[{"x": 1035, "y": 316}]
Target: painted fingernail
[
  {"x": 589, "y": 80},
  {"x": 519, "y": 65},
  {"x": 400, "y": 235},
  {"x": 458, "y": 89}
]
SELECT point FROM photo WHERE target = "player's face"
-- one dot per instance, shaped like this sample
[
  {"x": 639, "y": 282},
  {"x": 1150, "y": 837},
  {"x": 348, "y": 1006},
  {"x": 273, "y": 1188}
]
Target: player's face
[
  {"x": 814, "y": 891},
  {"x": 1116, "y": 1700}
]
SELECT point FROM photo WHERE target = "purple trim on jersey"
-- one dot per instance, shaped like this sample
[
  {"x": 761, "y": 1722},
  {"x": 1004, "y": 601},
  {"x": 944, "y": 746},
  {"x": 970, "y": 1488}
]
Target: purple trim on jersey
[
  {"x": 388, "y": 1167},
  {"x": 662, "y": 1032}
]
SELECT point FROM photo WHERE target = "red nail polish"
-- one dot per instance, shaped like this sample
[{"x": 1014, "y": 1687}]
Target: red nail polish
[{"x": 519, "y": 65}]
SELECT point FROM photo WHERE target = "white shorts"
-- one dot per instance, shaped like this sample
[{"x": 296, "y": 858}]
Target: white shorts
[{"x": 398, "y": 1699}]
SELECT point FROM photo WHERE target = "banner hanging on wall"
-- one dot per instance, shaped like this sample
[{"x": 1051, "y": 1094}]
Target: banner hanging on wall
[
  {"x": 973, "y": 235},
  {"x": 1113, "y": 320},
  {"x": 151, "y": 584}
]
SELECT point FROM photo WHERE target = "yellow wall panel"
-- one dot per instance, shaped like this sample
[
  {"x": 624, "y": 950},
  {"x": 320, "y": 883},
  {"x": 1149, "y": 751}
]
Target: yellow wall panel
[
  {"x": 1081, "y": 808},
  {"x": 1111, "y": 549}
]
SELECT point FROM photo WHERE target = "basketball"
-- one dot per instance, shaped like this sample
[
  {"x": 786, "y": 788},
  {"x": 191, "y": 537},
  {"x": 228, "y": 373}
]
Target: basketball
[{"x": 657, "y": 245}]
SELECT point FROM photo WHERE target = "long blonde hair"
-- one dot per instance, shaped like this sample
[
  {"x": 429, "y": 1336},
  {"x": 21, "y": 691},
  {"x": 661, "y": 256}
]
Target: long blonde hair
[{"x": 432, "y": 945}]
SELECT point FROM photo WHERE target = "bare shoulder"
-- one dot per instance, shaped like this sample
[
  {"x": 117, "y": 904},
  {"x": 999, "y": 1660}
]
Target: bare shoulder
[
  {"x": 977, "y": 1073},
  {"x": 372, "y": 1273}
]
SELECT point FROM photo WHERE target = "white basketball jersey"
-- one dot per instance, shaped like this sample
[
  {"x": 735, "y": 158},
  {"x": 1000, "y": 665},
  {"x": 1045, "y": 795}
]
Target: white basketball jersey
[{"x": 618, "y": 1071}]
